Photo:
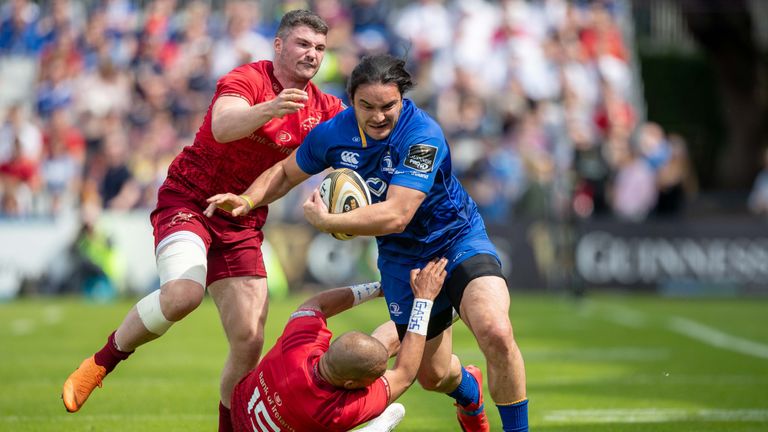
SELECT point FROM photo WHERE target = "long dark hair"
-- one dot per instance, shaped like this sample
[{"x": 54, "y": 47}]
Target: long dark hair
[{"x": 379, "y": 69}]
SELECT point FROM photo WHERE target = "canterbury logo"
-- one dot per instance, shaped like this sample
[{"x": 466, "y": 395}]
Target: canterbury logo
[{"x": 350, "y": 157}]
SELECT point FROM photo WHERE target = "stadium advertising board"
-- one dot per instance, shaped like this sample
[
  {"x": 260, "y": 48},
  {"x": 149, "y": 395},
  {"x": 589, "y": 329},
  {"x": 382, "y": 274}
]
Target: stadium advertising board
[{"x": 713, "y": 257}]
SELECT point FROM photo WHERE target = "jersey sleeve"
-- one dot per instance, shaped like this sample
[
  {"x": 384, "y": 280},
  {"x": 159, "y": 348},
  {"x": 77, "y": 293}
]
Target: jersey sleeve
[
  {"x": 239, "y": 83},
  {"x": 365, "y": 404},
  {"x": 420, "y": 157},
  {"x": 306, "y": 328},
  {"x": 310, "y": 156}
]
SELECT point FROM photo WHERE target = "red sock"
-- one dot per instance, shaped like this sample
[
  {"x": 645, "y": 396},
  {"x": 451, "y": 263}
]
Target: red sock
[
  {"x": 225, "y": 419},
  {"x": 109, "y": 356}
]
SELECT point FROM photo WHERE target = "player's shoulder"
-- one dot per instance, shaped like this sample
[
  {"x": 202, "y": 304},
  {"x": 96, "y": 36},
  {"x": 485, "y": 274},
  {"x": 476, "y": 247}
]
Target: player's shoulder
[
  {"x": 260, "y": 68},
  {"x": 324, "y": 101},
  {"x": 252, "y": 75},
  {"x": 338, "y": 126},
  {"x": 417, "y": 122},
  {"x": 418, "y": 127}
]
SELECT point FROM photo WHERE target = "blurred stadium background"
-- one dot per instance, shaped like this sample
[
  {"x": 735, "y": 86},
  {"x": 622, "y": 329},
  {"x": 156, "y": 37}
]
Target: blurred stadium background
[{"x": 617, "y": 150}]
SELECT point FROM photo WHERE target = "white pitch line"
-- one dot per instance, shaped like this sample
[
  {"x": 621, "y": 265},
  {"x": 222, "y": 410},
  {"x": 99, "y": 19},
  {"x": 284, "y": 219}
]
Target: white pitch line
[
  {"x": 654, "y": 415},
  {"x": 715, "y": 337}
]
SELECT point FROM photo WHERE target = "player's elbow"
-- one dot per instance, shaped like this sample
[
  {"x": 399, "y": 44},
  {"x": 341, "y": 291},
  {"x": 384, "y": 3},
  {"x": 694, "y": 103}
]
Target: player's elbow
[
  {"x": 398, "y": 223},
  {"x": 220, "y": 134}
]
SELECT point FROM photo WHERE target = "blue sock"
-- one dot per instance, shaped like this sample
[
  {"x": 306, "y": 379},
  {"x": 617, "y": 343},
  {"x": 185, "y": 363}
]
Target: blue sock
[
  {"x": 514, "y": 417},
  {"x": 467, "y": 392}
]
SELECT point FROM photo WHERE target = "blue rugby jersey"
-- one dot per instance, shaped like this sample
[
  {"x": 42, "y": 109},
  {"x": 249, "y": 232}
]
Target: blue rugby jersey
[{"x": 415, "y": 155}]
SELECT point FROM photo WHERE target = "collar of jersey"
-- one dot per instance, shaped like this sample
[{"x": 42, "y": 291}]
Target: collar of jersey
[{"x": 363, "y": 139}]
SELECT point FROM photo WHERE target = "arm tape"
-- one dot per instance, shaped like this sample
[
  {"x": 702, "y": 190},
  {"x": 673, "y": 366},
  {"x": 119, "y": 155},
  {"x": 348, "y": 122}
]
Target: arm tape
[{"x": 365, "y": 292}]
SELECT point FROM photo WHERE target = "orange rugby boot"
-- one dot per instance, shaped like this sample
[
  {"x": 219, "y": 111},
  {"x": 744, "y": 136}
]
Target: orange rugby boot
[
  {"x": 472, "y": 417},
  {"x": 81, "y": 383}
]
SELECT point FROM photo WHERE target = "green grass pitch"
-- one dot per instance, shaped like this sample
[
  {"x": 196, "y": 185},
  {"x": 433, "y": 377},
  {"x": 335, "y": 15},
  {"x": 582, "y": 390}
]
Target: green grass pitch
[{"x": 607, "y": 363}]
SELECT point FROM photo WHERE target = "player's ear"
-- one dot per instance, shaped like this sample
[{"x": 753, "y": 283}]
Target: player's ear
[
  {"x": 351, "y": 384},
  {"x": 278, "y": 45}
]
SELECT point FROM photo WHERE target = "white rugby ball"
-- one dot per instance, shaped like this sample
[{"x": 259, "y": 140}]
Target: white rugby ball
[{"x": 343, "y": 190}]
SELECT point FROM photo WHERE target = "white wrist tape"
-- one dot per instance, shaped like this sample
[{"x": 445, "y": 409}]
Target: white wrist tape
[
  {"x": 365, "y": 292},
  {"x": 151, "y": 314},
  {"x": 419, "y": 320}
]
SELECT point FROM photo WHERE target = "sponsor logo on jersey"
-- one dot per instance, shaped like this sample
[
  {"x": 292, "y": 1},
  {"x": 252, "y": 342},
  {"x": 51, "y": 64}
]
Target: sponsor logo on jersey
[
  {"x": 181, "y": 218},
  {"x": 394, "y": 309},
  {"x": 387, "y": 165},
  {"x": 356, "y": 139},
  {"x": 377, "y": 186},
  {"x": 283, "y": 136},
  {"x": 421, "y": 157},
  {"x": 350, "y": 158}
]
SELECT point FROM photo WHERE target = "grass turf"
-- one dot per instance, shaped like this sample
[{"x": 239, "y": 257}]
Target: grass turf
[{"x": 606, "y": 363}]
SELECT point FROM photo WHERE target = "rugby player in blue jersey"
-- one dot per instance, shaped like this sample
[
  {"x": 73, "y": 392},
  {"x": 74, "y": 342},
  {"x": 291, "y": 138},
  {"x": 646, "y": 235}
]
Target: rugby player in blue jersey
[{"x": 419, "y": 211}]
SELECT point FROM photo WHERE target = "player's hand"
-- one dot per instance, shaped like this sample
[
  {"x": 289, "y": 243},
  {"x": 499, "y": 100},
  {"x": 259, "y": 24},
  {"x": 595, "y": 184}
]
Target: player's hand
[
  {"x": 229, "y": 202},
  {"x": 315, "y": 211},
  {"x": 426, "y": 283},
  {"x": 288, "y": 101}
]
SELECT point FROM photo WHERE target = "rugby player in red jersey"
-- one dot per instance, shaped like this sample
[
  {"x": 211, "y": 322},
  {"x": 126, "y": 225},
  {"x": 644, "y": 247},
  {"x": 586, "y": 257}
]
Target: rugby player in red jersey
[
  {"x": 260, "y": 113},
  {"x": 307, "y": 383}
]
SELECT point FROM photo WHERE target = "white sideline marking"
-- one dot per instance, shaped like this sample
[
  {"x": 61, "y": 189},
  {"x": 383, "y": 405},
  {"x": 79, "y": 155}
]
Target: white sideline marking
[
  {"x": 715, "y": 337},
  {"x": 655, "y": 415},
  {"x": 694, "y": 330}
]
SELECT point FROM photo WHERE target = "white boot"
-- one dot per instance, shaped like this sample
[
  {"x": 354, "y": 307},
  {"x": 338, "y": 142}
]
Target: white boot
[{"x": 387, "y": 421}]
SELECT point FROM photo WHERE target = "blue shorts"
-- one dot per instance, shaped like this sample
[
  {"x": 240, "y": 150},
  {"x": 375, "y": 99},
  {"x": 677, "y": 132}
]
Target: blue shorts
[{"x": 396, "y": 276}]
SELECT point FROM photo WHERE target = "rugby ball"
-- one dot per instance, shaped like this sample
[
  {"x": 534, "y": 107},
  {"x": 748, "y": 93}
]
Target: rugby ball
[{"x": 343, "y": 190}]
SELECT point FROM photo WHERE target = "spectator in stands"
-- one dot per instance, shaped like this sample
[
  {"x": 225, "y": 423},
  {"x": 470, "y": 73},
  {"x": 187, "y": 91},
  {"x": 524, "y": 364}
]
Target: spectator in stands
[
  {"x": 241, "y": 44},
  {"x": 633, "y": 190},
  {"x": 19, "y": 179},
  {"x": 758, "y": 197},
  {"x": 676, "y": 180},
  {"x": 152, "y": 69},
  {"x": 18, "y": 29}
]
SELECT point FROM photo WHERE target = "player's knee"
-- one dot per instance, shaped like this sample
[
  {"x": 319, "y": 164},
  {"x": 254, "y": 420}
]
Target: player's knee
[
  {"x": 246, "y": 341},
  {"x": 432, "y": 380},
  {"x": 495, "y": 336},
  {"x": 161, "y": 308},
  {"x": 182, "y": 301}
]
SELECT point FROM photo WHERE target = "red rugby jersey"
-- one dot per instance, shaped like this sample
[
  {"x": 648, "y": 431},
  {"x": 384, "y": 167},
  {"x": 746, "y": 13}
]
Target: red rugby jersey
[
  {"x": 285, "y": 392},
  {"x": 208, "y": 167}
]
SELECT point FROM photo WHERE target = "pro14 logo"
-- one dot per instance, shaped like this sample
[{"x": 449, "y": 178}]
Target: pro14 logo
[
  {"x": 350, "y": 158},
  {"x": 421, "y": 157}
]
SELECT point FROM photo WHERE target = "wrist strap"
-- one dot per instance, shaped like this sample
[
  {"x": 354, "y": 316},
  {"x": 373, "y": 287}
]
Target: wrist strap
[
  {"x": 365, "y": 292},
  {"x": 247, "y": 200},
  {"x": 419, "y": 320}
]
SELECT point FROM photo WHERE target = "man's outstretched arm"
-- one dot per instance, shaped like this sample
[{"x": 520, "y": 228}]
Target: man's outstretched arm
[
  {"x": 337, "y": 300},
  {"x": 271, "y": 185}
]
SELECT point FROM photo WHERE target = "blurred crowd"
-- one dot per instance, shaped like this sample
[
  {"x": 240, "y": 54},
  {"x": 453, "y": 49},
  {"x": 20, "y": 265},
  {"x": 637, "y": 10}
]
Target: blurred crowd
[{"x": 535, "y": 98}]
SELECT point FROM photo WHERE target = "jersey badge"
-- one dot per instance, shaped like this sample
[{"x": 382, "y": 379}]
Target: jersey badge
[
  {"x": 421, "y": 157},
  {"x": 350, "y": 158},
  {"x": 309, "y": 123},
  {"x": 387, "y": 165},
  {"x": 394, "y": 309},
  {"x": 377, "y": 186},
  {"x": 283, "y": 136}
]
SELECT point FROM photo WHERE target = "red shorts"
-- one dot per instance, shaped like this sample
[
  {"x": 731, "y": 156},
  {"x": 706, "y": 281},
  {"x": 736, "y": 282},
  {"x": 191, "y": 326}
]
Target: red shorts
[{"x": 233, "y": 244}]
